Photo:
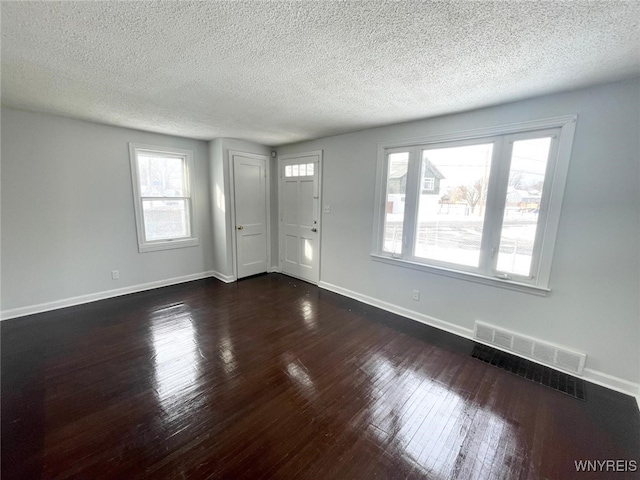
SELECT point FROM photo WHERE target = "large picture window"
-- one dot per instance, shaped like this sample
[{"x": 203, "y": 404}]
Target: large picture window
[
  {"x": 163, "y": 191},
  {"x": 483, "y": 205}
]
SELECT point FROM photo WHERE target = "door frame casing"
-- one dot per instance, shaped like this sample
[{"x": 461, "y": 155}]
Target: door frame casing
[
  {"x": 289, "y": 156},
  {"x": 232, "y": 195}
]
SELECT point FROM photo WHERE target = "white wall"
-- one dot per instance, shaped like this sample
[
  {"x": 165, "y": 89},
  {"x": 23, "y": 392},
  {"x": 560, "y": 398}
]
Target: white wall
[
  {"x": 221, "y": 201},
  {"x": 67, "y": 211},
  {"x": 595, "y": 280},
  {"x": 220, "y": 204}
]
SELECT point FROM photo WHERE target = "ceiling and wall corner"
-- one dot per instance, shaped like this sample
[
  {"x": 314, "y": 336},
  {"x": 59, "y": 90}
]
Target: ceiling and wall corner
[{"x": 281, "y": 72}]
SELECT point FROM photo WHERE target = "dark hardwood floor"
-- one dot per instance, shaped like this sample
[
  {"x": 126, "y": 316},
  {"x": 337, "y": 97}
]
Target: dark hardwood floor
[{"x": 274, "y": 378}]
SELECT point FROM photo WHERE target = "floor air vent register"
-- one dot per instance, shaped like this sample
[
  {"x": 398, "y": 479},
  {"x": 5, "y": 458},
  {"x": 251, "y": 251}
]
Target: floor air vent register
[
  {"x": 563, "y": 382},
  {"x": 554, "y": 356}
]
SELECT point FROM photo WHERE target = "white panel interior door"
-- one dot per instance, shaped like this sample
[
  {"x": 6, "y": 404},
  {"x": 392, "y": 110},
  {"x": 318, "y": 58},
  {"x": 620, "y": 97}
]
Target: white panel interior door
[
  {"x": 250, "y": 195},
  {"x": 299, "y": 216}
]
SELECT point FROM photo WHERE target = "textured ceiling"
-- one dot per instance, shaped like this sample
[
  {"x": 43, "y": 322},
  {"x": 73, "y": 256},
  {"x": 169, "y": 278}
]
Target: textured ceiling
[{"x": 278, "y": 72}]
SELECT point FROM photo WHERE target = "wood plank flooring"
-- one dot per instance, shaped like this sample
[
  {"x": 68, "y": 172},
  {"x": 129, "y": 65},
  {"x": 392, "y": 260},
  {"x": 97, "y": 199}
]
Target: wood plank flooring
[{"x": 274, "y": 378}]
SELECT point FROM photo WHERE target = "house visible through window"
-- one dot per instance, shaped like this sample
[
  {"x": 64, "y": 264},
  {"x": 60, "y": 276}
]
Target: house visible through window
[
  {"x": 482, "y": 204},
  {"x": 162, "y": 185},
  {"x": 397, "y": 164}
]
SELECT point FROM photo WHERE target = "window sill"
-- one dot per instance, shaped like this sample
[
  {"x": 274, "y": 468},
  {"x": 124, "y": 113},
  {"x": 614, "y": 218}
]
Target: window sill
[
  {"x": 167, "y": 245},
  {"x": 467, "y": 276}
]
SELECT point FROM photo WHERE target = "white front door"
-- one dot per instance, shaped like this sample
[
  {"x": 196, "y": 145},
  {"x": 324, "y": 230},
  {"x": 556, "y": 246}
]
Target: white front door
[
  {"x": 300, "y": 215},
  {"x": 251, "y": 206}
]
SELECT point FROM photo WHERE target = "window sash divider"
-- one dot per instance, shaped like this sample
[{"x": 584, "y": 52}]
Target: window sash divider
[
  {"x": 495, "y": 214},
  {"x": 411, "y": 203},
  {"x": 164, "y": 198}
]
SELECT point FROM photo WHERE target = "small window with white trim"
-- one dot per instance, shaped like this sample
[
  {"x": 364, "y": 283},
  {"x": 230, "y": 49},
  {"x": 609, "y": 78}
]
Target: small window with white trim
[
  {"x": 163, "y": 196},
  {"x": 428, "y": 184},
  {"x": 482, "y": 205}
]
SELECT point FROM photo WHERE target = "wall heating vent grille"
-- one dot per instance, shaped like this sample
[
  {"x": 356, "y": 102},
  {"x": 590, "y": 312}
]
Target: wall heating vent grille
[{"x": 542, "y": 352}]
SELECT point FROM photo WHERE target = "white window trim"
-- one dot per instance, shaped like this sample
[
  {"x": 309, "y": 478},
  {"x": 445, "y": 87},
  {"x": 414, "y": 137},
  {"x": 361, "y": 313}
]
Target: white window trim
[
  {"x": 165, "y": 244},
  {"x": 566, "y": 124},
  {"x": 432, "y": 184}
]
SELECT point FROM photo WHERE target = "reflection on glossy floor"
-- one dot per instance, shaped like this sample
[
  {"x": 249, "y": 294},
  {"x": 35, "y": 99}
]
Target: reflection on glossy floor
[{"x": 275, "y": 378}]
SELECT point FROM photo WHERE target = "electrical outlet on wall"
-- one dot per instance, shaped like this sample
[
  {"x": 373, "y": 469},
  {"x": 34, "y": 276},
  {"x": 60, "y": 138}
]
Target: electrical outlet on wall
[
  {"x": 415, "y": 295},
  {"x": 115, "y": 274}
]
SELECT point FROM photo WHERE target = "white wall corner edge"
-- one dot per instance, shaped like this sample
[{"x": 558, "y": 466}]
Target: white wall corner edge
[
  {"x": 92, "y": 297},
  {"x": 599, "y": 378},
  {"x": 274, "y": 269}
]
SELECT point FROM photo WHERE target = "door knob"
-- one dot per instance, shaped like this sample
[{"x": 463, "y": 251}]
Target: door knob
[
  {"x": 314, "y": 229},
  {"x": 240, "y": 227}
]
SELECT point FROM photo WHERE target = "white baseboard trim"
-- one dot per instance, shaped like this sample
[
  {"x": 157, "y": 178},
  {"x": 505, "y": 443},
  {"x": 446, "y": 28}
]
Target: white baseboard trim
[
  {"x": 92, "y": 297},
  {"x": 405, "y": 312},
  {"x": 593, "y": 376},
  {"x": 590, "y": 375},
  {"x": 609, "y": 381},
  {"x": 274, "y": 270},
  {"x": 222, "y": 277}
]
